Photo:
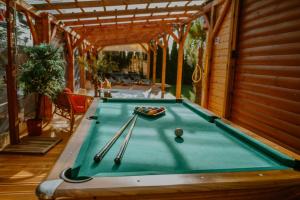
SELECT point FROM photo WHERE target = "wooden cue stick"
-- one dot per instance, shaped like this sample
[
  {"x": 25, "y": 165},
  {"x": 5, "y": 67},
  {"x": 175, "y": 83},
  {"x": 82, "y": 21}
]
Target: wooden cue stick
[
  {"x": 99, "y": 156},
  {"x": 125, "y": 143}
]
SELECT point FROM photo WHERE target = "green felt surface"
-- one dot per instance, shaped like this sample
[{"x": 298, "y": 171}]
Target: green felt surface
[{"x": 153, "y": 148}]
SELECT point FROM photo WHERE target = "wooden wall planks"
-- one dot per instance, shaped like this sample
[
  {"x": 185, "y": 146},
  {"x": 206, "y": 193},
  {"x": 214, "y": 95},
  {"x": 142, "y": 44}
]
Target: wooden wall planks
[{"x": 266, "y": 95}]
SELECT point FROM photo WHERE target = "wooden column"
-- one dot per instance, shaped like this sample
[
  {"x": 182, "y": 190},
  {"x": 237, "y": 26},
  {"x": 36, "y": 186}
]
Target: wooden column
[
  {"x": 44, "y": 34},
  {"x": 11, "y": 77},
  {"x": 232, "y": 56},
  {"x": 205, "y": 79},
  {"x": 183, "y": 31},
  {"x": 70, "y": 61},
  {"x": 154, "y": 63},
  {"x": 213, "y": 30},
  {"x": 164, "y": 46},
  {"x": 82, "y": 68},
  {"x": 148, "y": 62},
  {"x": 148, "y": 51},
  {"x": 43, "y": 28}
]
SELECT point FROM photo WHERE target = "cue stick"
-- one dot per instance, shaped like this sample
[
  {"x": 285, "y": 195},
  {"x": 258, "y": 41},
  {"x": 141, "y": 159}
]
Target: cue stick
[
  {"x": 125, "y": 143},
  {"x": 99, "y": 156}
]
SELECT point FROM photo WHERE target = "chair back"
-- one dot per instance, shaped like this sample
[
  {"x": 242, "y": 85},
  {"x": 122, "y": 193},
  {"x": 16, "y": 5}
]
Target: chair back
[{"x": 62, "y": 101}]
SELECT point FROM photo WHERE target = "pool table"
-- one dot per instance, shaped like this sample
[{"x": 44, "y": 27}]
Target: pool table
[{"x": 212, "y": 159}]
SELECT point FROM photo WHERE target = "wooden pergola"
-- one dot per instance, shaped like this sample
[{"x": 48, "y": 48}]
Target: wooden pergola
[{"x": 92, "y": 25}]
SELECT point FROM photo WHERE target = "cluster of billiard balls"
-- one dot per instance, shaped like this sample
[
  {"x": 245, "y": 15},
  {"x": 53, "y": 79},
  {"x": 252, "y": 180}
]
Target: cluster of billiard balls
[{"x": 149, "y": 110}]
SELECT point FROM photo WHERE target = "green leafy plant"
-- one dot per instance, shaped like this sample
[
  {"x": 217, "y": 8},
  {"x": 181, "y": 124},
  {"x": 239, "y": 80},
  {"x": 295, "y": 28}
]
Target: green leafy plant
[{"x": 43, "y": 73}]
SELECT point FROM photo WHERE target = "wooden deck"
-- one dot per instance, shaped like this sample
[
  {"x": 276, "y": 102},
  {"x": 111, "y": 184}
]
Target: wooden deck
[{"x": 20, "y": 174}]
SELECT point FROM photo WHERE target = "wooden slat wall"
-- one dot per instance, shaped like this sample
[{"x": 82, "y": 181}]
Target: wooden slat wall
[
  {"x": 219, "y": 65},
  {"x": 266, "y": 95}
]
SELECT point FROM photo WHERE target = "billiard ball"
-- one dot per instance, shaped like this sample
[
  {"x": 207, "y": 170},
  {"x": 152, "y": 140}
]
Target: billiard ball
[
  {"x": 151, "y": 112},
  {"x": 178, "y": 132}
]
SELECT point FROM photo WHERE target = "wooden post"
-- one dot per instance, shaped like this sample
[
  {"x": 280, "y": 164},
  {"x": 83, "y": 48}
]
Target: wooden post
[
  {"x": 154, "y": 63},
  {"x": 70, "y": 61},
  {"x": 82, "y": 68},
  {"x": 43, "y": 27},
  {"x": 232, "y": 56},
  {"x": 11, "y": 77},
  {"x": 179, "y": 70},
  {"x": 182, "y": 37},
  {"x": 148, "y": 59},
  {"x": 44, "y": 34},
  {"x": 148, "y": 62},
  {"x": 164, "y": 65},
  {"x": 208, "y": 56},
  {"x": 213, "y": 31}
]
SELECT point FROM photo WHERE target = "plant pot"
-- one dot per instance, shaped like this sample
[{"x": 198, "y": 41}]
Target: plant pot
[{"x": 34, "y": 127}]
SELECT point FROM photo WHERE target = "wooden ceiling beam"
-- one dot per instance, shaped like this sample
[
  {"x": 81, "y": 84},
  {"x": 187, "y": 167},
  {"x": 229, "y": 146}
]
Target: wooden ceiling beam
[
  {"x": 206, "y": 8},
  {"x": 87, "y": 4},
  {"x": 140, "y": 39},
  {"x": 127, "y": 12},
  {"x": 124, "y": 27},
  {"x": 126, "y": 19},
  {"x": 135, "y": 34},
  {"x": 109, "y": 40},
  {"x": 112, "y": 36},
  {"x": 120, "y": 42},
  {"x": 24, "y": 7}
]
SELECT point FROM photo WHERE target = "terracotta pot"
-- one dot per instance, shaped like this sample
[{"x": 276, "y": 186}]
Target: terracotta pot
[{"x": 34, "y": 127}]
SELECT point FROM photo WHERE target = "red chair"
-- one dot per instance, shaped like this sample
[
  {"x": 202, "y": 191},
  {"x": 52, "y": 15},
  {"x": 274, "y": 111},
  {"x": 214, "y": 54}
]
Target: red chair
[{"x": 68, "y": 104}]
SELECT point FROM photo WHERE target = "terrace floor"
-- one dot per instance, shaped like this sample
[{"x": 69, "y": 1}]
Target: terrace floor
[{"x": 20, "y": 174}]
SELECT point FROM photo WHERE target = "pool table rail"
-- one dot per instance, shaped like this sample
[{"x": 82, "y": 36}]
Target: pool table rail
[{"x": 245, "y": 184}]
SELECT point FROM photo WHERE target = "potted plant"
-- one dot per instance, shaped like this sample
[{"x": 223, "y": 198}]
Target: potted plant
[{"x": 42, "y": 75}]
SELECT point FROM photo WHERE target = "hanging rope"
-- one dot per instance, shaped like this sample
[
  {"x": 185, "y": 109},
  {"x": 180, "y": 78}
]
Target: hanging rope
[
  {"x": 198, "y": 71},
  {"x": 197, "y": 74}
]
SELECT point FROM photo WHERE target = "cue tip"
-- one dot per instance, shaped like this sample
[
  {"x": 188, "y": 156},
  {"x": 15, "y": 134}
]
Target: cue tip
[
  {"x": 117, "y": 161},
  {"x": 97, "y": 159}
]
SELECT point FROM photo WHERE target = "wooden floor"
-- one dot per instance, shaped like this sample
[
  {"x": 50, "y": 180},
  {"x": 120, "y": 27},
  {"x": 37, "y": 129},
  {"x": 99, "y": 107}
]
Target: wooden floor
[{"x": 20, "y": 174}]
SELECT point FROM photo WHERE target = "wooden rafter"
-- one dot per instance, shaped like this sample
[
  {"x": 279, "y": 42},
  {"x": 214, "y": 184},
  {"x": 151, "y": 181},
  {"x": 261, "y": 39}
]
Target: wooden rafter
[
  {"x": 206, "y": 8},
  {"x": 175, "y": 37},
  {"x": 143, "y": 47},
  {"x": 32, "y": 28},
  {"x": 221, "y": 18},
  {"x": 127, "y": 12},
  {"x": 78, "y": 41},
  {"x": 121, "y": 41},
  {"x": 53, "y": 32},
  {"x": 139, "y": 17},
  {"x": 124, "y": 28},
  {"x": 147, "y": 19},
  {"x": 87, "y": 4},
  {"x": 24, "y": 7}
]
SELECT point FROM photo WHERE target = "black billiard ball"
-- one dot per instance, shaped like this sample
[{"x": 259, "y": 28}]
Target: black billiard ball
[{"x": 178, "y": 132}]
